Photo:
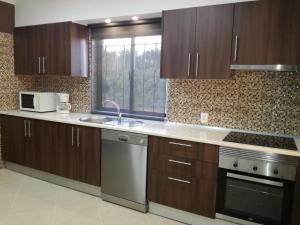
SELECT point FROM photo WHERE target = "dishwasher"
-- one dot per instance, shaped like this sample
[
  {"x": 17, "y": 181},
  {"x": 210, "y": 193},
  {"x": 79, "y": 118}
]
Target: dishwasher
[{"x": 124, "y": 169}]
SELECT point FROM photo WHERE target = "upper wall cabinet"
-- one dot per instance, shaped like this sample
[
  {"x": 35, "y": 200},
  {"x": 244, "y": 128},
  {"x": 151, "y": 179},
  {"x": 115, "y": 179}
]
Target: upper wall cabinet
[
  {"x": 54, "y": 49},
  {"x": 267, "y": 32},
  {"x": 197, "y": 42},
  {"x": 7, "y": 17}
]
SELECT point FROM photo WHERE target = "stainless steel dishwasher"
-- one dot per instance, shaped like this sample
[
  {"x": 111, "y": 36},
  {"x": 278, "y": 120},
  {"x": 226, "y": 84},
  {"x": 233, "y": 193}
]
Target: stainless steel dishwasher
[{"x": 124, "y": 169}]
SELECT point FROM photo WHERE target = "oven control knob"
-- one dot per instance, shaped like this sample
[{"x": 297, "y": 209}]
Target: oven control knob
[
  {"x": 276, "y": 171},
  {"x": 255, "y": 168},
  {"x": 235, "y": 164}
]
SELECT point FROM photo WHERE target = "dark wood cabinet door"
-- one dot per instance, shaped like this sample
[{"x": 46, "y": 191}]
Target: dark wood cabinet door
[
  {"x": 48, "y": 146},
  {"x": 213, "y": 42},
  {"x": 14, "y": 139},
  {"x": 66, "y": 156},
  {"x": 57, "y": 49},
  {"x": 7, "y": 17},
  {"x": 267, "y": 32},
  {"x": 88, "y": 143},
  {"x": 178, "y": 43},
  {"x": 23, "y": 51}
]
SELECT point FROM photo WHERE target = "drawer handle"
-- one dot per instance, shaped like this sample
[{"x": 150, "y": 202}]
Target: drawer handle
[
  {"x": 179, "y": 162},
  {"x": 180, "y": 144},
  {"x": 179, "y": 180}
]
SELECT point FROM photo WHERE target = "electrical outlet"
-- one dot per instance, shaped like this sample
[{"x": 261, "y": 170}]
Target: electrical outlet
[{"x": 204, "y": 118}]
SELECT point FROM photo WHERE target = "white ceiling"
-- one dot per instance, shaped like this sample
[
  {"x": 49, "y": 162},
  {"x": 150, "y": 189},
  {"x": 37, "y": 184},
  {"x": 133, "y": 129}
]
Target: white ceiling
[{"x": 30, "y": 12}]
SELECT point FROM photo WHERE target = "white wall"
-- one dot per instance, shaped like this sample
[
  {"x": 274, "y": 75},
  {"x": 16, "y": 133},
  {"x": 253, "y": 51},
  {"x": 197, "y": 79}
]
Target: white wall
[{"x": 29, "y": 12}]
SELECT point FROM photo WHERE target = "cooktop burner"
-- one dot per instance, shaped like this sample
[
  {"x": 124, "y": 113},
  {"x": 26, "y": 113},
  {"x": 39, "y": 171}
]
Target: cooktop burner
[{"x": 262, "y": 140}]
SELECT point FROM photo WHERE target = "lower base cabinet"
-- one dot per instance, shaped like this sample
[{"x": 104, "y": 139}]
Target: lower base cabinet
[
  {"x": 183, "y": 175},
  {"x": 65, "y": 150}
]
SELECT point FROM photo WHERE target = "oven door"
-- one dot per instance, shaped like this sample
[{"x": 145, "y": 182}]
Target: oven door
[{"x": 254, "y": 198}]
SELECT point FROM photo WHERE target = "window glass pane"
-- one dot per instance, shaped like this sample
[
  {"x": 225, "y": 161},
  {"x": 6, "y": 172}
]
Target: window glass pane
[
  {"x": 116, "y": 70},
  {"x": 149, "y": 91},
  {"x": 127, "y": 71}
]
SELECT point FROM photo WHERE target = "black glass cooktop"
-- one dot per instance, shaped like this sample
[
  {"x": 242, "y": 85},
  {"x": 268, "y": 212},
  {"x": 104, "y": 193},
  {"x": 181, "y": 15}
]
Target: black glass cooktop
[{"x": 262, "y": 140}]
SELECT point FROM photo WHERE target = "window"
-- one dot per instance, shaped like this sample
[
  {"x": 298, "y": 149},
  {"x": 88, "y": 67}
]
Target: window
[{"x": 126, "y": 63}]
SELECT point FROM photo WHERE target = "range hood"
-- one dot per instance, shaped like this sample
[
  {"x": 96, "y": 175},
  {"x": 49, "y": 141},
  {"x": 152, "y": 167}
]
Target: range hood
[{"x": 277, "y": 67}]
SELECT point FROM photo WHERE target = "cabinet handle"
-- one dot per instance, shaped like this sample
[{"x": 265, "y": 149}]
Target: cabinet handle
[
  {"x": 189, "y": 65},
  {"x": 39, "y": 64},
  {"x": 180, "y": 144},
  {"x": 236, "y": 48},
  {"x": 44, "y": 71},
  {"x": 179, "y": 180},
  {"x": 72, "y": 136},
  {"x": 25, "y": 128},
  {"x": 197, "y": 64},
  {"x": 29, "y": 128},
  {"x": 180, "y": 162},
  {"x": 78, "y": 137}
]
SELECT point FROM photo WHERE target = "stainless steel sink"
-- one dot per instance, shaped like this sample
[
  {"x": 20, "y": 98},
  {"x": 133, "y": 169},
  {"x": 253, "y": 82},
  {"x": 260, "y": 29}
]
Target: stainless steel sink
[
  {"x": 112, "y": 121},
  {"x": 96, "y": 119}
]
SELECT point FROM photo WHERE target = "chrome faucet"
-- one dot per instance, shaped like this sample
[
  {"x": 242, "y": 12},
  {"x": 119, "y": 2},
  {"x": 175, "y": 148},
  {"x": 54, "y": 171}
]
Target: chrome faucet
[{"x": 116, "y": 105}]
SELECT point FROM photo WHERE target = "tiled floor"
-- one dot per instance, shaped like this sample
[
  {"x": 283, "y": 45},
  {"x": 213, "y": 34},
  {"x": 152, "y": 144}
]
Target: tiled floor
[{"x": 28, "y": 201}]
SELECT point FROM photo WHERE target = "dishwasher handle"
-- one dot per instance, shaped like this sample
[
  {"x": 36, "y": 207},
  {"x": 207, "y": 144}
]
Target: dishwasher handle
[{"x": 123, "y": 138}]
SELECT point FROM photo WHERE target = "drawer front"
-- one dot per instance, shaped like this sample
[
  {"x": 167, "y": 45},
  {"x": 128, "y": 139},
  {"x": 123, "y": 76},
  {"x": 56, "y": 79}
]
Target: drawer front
[
  {"x": 171, "y": 191},
  {"x": 184, "y": 149},
  {"x": 179, "y": 148}
]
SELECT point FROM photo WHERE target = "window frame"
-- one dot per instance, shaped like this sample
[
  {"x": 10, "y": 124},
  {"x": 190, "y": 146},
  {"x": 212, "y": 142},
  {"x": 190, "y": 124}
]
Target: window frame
[{"x": 97, "y": 73}]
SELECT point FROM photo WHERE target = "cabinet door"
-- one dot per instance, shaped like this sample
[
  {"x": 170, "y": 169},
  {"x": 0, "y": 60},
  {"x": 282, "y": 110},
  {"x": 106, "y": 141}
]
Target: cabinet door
[
  {"x": 7, "y": 17},
  {"x": 178, "y": 43},
  {"x": 267, "y": 32},
  {"x": 88, "y": 142},
  {"x": 213, "y": 42},
  {"x": 66, "y": 156},
  {"x": 23, "y": 52},
  {"x": 14, "y": 134},
  {"x": 50, "y": 147},
  {"x": 57, "y": 49}
]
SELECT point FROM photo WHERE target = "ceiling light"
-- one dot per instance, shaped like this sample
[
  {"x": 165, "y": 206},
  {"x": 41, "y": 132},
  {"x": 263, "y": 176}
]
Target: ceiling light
[
  {"x": 107, "y": 20},
  {"x": 135, "y": 18}
]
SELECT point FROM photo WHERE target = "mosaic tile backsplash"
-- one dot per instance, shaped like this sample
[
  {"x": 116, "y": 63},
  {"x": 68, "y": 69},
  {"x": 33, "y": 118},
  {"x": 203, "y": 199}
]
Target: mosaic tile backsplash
[
  {"x": 9, "y": 83},
  {"x": 256, "y": 101}
]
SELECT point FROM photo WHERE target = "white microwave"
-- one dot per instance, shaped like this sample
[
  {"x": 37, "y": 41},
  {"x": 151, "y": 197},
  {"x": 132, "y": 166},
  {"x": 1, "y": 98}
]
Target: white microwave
[{"x": 37, "y": 101}]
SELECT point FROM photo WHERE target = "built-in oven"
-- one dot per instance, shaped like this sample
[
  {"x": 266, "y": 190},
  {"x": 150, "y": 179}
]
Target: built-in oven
[{"x": 254, "y": 187}]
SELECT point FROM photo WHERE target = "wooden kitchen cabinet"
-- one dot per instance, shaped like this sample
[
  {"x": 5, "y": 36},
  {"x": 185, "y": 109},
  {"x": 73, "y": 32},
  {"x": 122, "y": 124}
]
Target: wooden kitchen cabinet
[
  {"x": 178, "y": 41},
  {"x": 266, "y": 32},
  {"x": 78, "y": 155},
  {"x": 53, "y": 49},
  {"x": 183, "y": 175},
  {"x": 7, "y": 17},
  {"x": 197, "y": 42},
  {"x": 61, "y": 149},
  {"x": 21, "y": 140}
]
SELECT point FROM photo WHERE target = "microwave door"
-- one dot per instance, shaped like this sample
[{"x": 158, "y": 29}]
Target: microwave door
[{"x": 27, "y": 101}]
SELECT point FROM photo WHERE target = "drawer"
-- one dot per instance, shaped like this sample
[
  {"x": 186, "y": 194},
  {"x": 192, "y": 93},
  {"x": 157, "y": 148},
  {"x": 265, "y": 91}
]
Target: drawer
[
  {"x": 171, "y": 191},
  {"x": 184, "y": 149},
  {"x": 182, "y": 167}
]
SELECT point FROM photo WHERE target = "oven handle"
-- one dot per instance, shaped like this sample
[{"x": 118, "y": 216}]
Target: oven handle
[{"x": 254, "y": 179}]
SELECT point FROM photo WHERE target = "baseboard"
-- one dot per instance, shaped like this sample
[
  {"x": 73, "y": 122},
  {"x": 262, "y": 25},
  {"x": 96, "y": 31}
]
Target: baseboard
[
  {"x": 51, "y": 178},
  {"x": 184, "y": 217}
]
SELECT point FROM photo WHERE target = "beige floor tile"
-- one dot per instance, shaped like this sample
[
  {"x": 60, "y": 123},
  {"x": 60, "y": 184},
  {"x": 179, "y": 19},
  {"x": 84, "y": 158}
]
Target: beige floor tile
[
  {"x": 32, "y": 186},
  {"x": 73, "y": 202},
  {"x": 38, "y": 203},
  {"x": 29, "y": 219},
  {"x": 112, "y": 214}
]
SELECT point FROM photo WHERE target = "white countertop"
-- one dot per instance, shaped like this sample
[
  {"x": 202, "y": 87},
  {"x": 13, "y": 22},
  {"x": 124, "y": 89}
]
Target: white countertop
[{"x": 162, "y": 129}]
